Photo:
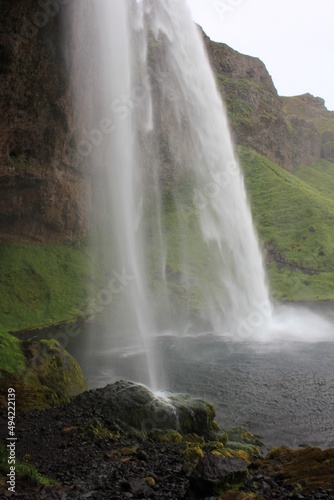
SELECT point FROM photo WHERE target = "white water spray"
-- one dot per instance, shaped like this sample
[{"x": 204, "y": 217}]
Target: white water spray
[{"x": 178, "y": 222}]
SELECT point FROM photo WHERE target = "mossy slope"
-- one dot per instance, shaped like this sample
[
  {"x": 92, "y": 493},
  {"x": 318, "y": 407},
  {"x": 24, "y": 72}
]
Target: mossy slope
[
  {"x": 41, "y": 284},
  {"x": 294, "y": 216}
]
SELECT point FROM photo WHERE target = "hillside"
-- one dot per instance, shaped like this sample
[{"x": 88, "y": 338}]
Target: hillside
[
  {"x": 295, "y": 221},
  {"x": 290, "y": 131}
]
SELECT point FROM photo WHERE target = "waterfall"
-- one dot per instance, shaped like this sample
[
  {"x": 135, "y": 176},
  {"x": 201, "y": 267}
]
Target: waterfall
[{"x": 177, "y": 229}]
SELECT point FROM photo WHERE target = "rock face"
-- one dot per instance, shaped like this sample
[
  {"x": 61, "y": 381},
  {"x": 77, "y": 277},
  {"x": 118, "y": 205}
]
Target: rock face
[
  {"x": 290, "y": 131},
  {"x": 47, "y": 187},
  {"x": 313, "y": 124},
  {"x": 43, "y": 195}
]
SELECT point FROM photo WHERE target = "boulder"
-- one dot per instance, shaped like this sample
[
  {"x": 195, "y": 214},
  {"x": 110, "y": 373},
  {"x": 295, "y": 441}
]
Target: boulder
[
  {"x": 138, "y": 407},
  {"x": 51, "y": 377},
  {"x": 214, "y": 474}
]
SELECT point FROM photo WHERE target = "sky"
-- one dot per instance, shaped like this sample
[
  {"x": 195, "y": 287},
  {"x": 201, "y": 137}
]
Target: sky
[{"x": 294, "y": 39}]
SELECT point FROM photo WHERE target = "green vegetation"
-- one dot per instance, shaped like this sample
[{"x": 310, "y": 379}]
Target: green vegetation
[
  {"x": 320, "y": 177},
  {"x": 239, "y": 109},
  {"x": 242, "y": 113},
  {"x": 295, "y": 223},
  {"x": 304, "y": 107},
  {"x": 294, "y": 213},
  {"x": 23, "y": 471},
  {"x": 42, "y": 284},
  {"x": 11, "y": 357}
]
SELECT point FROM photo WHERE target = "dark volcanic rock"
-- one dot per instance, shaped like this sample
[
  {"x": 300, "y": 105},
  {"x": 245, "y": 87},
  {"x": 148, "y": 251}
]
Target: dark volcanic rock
[
  {"x": 138, "y": 407},
  {"x": 214, "y": 473}
]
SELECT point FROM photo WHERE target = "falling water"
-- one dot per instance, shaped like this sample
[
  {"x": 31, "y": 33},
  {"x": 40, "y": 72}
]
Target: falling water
[
  {"x": 177, "y": 225},
  {"x": 172, "y": 224}
]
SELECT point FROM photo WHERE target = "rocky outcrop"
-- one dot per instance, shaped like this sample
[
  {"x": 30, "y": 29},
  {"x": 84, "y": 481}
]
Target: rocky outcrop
[
  {"x": 290, "y": 131},
  {"x": 43, "y": 195},
  {"x": 139, "y": 408},
  {"x": 50, "y": 378},
  {"x": 313, "y": 125},
  {"x": 48, "y": 190}
]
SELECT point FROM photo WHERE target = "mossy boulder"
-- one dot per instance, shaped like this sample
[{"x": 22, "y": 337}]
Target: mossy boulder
[
  {"x": 51, "y": 377},
  {"x": 169, "y": 436},
  {"x": 194, "y": 415},
  {"x": 241, "y": 435},
  {"x": 249, "y": 450},
  {"x": 138, "y": 407},
  {"x": 192, "y": 453}
]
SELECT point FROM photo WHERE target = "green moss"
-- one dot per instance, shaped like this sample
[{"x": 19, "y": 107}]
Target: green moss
[
  {"x": 194, "y": 439},
  {"x": 52, "y": 375},
  {"x": 167, "y": 436},
  {"x": 240, "y": 435},
  {"x": 12, "y": 359},
  {"x": 42, "y": 284},
  {"x": 95, "y": 430},
  {"x": 23, "y": 471},
  {"x": 192, "y": 453},
  {"x": 50, "y": 378}
]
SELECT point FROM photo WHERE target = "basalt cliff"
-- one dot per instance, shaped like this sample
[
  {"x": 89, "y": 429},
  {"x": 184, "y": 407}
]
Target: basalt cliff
[{"x": 46, "y": 180}]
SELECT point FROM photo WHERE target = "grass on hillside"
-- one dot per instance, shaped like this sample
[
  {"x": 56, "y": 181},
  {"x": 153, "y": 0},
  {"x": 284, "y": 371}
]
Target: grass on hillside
[
  {"x": 297, "y": 221},
  {"x": 11, "y": 356},
  {"x": 46, "y": 284},
  {"x": 319, "y": 177},
  {"x": 23, "y": 471},
  {"x": 41, "y": 284}
]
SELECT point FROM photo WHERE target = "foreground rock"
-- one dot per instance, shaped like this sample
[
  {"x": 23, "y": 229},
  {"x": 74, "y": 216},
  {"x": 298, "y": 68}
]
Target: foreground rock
[
  {"x": 140, "y": 408},
  {"x": 51, "y": 377},
  {"x": 213, "y": 474},
  {"x": 91, "y": 453}
]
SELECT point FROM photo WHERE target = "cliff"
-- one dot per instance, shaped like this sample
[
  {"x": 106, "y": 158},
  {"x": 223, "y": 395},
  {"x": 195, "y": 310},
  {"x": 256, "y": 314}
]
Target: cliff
[
  {"x": 43, "y": 196},
  {"x": 290, "y": 131},
  {"x": 46, "y": 180}
]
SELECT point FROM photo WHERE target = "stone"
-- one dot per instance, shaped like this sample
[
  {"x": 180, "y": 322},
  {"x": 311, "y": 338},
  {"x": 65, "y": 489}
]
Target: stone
[
  {"x": 138, "y": 407},
  {"x": 51, "y": 377},
  {"x": 213, "y": 474},
  {"x": 139, "y": 487}
]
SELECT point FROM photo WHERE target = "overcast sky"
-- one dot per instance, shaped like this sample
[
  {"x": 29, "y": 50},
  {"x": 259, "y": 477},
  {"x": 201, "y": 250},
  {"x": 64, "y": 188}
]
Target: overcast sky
[{"x": 294, "y": 39}]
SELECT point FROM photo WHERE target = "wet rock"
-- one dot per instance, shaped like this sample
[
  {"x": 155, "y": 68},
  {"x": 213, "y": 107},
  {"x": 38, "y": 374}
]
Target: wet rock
[
  {"x": 138, "y": 407},
  {"x": 214, "y": 473}
]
